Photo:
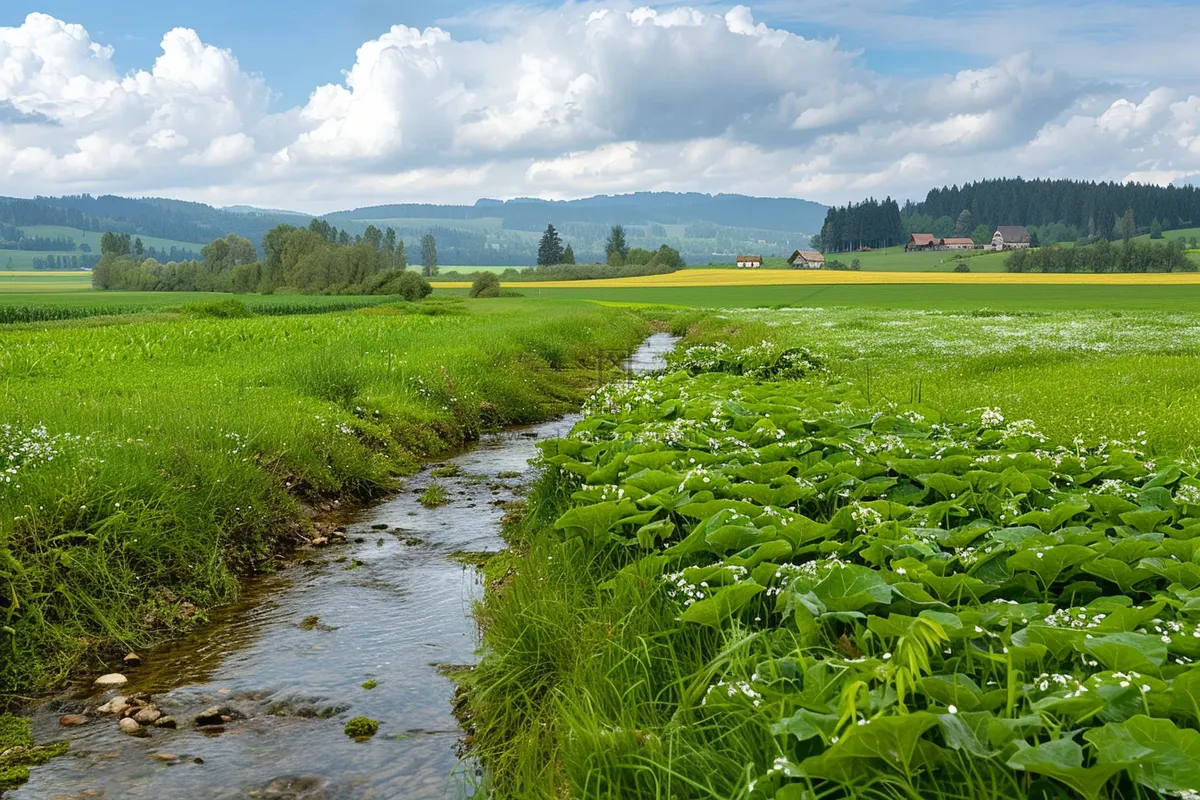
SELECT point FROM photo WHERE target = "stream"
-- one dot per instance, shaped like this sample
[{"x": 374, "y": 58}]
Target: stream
[{"x": 391, "y": 606}]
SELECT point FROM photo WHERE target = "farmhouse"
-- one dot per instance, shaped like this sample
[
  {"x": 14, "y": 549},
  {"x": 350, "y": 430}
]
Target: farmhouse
[
  {"x": 807, "y": 259},
  {"x": 951, "y": 243},
  {"x": 749, "y": 262},
  {"x": 921, "y": 241},
  {"x": 1010, "y": 237}
]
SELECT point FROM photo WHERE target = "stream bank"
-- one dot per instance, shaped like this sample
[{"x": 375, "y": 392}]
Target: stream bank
[{"x": 393, "y": 605}]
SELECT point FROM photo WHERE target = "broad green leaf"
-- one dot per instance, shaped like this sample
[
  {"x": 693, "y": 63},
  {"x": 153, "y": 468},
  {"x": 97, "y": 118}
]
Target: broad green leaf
[
  {"x": 852, "y": 588},
  {"x": 1062, "y": 760},
  {"x": 722, "y": 605},
  {"x": 1126, "y": 651},
  {"x": 1164, "y": 758},
  {"x": 1049, "y": 563}
]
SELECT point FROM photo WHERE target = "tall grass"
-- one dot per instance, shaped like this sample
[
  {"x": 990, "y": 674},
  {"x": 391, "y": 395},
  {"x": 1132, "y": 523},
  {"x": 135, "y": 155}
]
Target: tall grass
[{"x": 143, "y": 466}]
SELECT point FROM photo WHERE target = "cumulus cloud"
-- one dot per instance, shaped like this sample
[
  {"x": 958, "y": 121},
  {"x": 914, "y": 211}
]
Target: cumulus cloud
[{"x": 559, "y": 103}]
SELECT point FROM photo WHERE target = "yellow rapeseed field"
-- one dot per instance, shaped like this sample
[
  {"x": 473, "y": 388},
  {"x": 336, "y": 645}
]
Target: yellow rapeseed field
[{"x": 729, "y": 277}]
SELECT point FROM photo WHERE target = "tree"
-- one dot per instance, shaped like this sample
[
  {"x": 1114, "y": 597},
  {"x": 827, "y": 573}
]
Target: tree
[
  {"x": 139, "y": 249},
  {"x": 550, "y": 249},
  {"x": 400, "y": 259},
  {"x": 1125, "y": 227},
  {"x": 116, "y": 244},
  {"x": 568, "y": 255},
  {"x": 373, "y": 236},
  {"x": 1156, "y": 231},
  {"x": 965, "y": 224},
  {"x": 429, "y": 262},
  {"x": 616, "y": 248},
  {"x": 1033, "y": 239},
  {"x": 389, "y": 245},
  {"x": 981, "y": 235}
]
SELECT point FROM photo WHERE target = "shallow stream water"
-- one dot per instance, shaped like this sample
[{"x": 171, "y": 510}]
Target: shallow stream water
[{"x": 394, "y": 610}]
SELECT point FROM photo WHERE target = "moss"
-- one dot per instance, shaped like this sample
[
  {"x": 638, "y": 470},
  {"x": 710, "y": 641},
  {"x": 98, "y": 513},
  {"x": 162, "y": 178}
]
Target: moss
[
  {"x": 369, "y": 685},
  {"x": 361, "y": 728},
  {"x": 18, "y": 753}
]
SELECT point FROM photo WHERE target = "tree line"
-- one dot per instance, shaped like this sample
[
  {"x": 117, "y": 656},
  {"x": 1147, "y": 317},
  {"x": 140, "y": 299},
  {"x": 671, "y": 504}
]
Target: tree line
[
  {"x": 871, "y": 223},
  {"x": 618, "y": 253},
  {"x": 1091, "y": 208},
  {"x": 318, "y": 259},
  {"x": 1104, "y": 256}
]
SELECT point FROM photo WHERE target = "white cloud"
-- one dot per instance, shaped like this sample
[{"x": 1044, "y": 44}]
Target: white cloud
[{"x": 559, "y": 103}]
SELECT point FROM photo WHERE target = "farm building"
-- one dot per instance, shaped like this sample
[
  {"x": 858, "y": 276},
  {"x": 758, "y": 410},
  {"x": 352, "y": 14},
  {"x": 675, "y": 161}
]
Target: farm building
[
  {"x": 749, "y": 262},
  {"x": 807, "y": 259},
  {"x": 951, "y": 243},
  {"x": 921, "y": 241},
  {"x": 1010, "y": 237}
]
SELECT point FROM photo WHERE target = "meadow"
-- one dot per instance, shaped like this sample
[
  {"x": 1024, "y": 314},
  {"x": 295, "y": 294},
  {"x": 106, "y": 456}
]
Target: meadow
[
  {"x": 146, "y": 465},
  {"x": 828, "y": 555}
]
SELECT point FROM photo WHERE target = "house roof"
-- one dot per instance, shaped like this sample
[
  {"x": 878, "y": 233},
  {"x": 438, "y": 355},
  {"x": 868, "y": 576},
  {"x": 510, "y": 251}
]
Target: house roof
[
  {"x": 1013, "y": 234},
  {"x": 811, "y": 256},
  {"x": 958, "y": 240},
  {"x": 749, "y": 258},
  {"x": 922, "y": 239}
]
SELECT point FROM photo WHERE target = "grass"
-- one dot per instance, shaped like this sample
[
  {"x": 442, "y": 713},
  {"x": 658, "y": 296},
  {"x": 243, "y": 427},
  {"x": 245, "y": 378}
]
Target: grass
[
  {"x": 915, "y": 296},
  {"x": 148, "y": 464},
  {"x": 434, "y": 496},
  {"x": 704, "y": 599},
  {"x": 1123, "y": 374}
]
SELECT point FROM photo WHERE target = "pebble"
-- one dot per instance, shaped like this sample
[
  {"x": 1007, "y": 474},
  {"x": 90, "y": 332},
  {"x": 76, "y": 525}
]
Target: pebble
[
  {"x": 113, "y": 679},
  {"x": 166, "y": 722},
  {"x": 168, "y": 758},
  {"x": 133, "y": 660},
  {"x": 72, "y": 720},
  {"x": 129, "y": 726},
  {"x": 115, "y": 706},
  {"x": 147, "y": 716}
]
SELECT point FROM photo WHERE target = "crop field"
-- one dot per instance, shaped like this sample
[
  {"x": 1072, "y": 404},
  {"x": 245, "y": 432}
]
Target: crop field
[
  {"x": 915, "y": 296},
  {"x": 753, "y": 577}
]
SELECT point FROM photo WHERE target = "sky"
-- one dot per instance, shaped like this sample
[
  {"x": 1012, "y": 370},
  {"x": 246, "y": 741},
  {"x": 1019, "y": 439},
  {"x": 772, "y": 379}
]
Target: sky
[{"x": 324, "y": 106}]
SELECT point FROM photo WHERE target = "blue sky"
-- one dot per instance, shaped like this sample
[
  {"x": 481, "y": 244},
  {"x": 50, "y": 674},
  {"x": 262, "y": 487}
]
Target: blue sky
[{"x": 325, "y": 105}]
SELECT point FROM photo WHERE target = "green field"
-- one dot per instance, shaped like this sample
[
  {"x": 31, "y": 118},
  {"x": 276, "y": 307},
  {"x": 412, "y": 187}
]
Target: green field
[
  {"x": 92, "y": 238},
  {"x": 1013, "y": 298}
]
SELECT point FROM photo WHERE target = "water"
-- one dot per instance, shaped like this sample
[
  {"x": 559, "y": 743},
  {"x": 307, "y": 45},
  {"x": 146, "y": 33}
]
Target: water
[{"x": 395, "y": 619}]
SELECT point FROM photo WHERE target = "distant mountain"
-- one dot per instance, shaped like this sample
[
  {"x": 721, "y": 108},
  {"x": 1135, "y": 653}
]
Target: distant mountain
[{"x": 490, "y": 232}]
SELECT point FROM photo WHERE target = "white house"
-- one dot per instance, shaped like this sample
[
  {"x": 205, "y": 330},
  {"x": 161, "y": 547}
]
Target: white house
[{"x": 749, "y": 262}]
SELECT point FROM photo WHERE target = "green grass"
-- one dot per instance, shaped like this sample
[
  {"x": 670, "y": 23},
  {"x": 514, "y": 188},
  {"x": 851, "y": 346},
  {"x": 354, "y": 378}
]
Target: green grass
[
  {"x": 92, "y": 238},
  {"x": 147, "y": 464},
  {"x": 1124, "y": 374},
  {"x": 1011, "y": 298}
]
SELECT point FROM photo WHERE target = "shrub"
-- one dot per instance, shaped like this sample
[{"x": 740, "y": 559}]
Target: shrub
[
  {"x": 486, "y": 284},
  {"x": 962, "y": 266},
  {"x": 218, "y": 309},
  {"x": 402, "y": 283}
]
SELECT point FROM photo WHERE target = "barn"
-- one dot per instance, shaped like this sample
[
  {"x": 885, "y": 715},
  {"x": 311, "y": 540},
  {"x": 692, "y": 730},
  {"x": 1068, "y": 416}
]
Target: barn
[
  {"x": 749, "y": 262},
  {"x": 807, "y": 259}
]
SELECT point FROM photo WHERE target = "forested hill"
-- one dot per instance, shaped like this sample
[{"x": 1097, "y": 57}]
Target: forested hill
[
  {"x": 526, "y": 214},
  {"x": 702, "y": 227},
  {"x": 1092, "y": 208},
  {"x": 165, "y": 219}
]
